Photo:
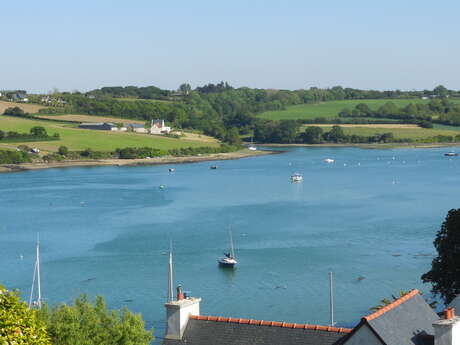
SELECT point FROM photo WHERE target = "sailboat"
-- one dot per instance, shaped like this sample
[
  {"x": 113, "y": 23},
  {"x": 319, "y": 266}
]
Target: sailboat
[
  {"x": 228, "y": 260},
  {"x": 252, "y": 147},
  {"x": 38, "y": 302}
]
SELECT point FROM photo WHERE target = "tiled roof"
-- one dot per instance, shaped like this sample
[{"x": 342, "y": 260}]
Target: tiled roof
[
  {"x": 212, "y": 330},
  {"x": 271, "y": 323},
  {"x": 392, "y": 305}
]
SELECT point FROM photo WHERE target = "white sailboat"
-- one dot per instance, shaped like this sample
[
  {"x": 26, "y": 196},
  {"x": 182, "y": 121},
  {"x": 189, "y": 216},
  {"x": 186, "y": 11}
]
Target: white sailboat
[
  {"x": 37, "y": 303},
  {"x": 228, "y": 260},
  {"x": 252, "y": 147}
]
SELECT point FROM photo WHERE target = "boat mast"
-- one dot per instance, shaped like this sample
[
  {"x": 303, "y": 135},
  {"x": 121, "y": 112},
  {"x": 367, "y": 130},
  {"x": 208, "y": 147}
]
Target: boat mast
[
  {"x": 170, "y": 275},
  {"x": 232, "y": 251},
  {"x": 331, "y": 299},
  {"x": 38, "y": 302}
]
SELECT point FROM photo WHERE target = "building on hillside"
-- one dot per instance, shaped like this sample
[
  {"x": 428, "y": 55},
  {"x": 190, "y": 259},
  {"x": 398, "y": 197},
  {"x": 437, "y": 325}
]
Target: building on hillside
[
  {"x": 102, "y": 126},
  {"x": 158, "y": 127},
  {"x": 409, "y": 320},
  {"x": 17, "y": 96},
  {"x": 135, "y": 127}
]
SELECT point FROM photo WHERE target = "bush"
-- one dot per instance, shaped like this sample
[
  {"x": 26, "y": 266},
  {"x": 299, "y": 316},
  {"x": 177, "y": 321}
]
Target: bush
[
  {"x": 63, "y": 150},
  {"x": 15, "y": 111}
]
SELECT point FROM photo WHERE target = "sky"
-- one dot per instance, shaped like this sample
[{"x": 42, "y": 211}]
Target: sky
[{"x": 290, "y": 44}]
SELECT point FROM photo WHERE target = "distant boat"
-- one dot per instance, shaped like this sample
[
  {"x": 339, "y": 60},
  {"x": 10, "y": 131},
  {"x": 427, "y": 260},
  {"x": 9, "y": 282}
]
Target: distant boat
[
  {"x": 252, "y": 147},
  {"x": 172, "y": 169},
  {"x": 228, "y": 260},
  {"x": 213, "y": 167},
  {"x": 296, "y": 177},
  {"x": 451, "y": 154},
  {"x": 329, "y": 160},
  {"x": 162, "y": 187}
]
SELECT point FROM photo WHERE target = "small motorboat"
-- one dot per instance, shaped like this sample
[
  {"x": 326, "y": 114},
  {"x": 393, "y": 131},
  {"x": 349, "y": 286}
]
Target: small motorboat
[
  {"x": 329, "y": 160},
  {"x": 228, "y": 260},
  {"x": 213, "y": 167},
  {"x": 252, "y": 148},
  {"x": 172, "y": 169},
  {"x": 451, "y": 154},
  {"x": 162, "y": 187},
  {"x": 296, "y": 177}
]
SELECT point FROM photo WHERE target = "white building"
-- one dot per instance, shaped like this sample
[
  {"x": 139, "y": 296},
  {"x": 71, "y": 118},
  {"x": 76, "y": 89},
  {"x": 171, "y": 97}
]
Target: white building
[{"x": 158, "y": 127}]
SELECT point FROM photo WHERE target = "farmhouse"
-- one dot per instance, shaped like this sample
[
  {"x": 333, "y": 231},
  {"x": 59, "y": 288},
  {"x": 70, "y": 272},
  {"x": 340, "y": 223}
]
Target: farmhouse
[
  {"x": 158, "y": 127},
  {"x": 17, "y": 96},
  {"x": 135, "y": 127},
  {"x": 102, "y": 126}
]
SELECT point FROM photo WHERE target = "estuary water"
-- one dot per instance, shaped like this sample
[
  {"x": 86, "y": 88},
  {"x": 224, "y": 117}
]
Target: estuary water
[{"x": 370, "y": 218}]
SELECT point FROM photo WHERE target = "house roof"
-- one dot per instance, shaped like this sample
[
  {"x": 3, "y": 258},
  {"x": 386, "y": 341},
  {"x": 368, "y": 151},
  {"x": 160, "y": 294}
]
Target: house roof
[
  {"x": 135, "y": 125},
  {"x": 204, "y": 330},
  {"x": 406, "y": 321}
]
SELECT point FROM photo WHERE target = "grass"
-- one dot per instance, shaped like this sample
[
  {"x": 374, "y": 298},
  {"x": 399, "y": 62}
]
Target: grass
[
  {"x": 28, "y": 108},
  {"x": 132, "y": 99},
  {"x": 399, "y": 133},
  {"x": 88, "y": 118},
  {"x": 332, "y": 108},
  {"x": 80, "y": 139}
]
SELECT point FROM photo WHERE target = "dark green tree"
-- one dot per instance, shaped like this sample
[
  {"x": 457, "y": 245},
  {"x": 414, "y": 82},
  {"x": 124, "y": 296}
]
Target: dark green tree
[
  {"x": 38, "y": 131},
  {"x": 312, "y": 135},
  {"x": 2, "y": 135},
  {"x": 335, "y": 135},
  {"x": 444, "y": 275},
  {"x": 63, "y": 150}
]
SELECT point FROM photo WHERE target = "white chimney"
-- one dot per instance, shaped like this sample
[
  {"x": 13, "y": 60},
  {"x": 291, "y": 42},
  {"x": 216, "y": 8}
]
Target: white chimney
[
  {"x": 447, "y": 329},
  {"x": 178, "y": 313}
]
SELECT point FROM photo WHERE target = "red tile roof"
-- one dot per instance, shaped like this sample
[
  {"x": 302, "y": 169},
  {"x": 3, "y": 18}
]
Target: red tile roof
[
  {"x": 270, "y": 323},
  {"x": 391, "y": 306}
]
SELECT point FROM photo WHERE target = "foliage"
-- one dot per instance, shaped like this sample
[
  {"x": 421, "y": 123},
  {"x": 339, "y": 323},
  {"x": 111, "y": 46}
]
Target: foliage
[
  {"x": 86, "y": 323},
  {"x": 385, "y": 301},
  {"x": 19, "y": 325},
  {"x": 445, "y": 268},
  {"x": 36, "y": 134},
  {"x": 13, "y": 157},
  {"x": 63, "y": 150},
  {"x": 14, "y": 111}
]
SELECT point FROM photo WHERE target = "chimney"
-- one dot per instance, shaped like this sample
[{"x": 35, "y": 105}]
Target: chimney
[
  {"x": 447, "y": 329},
  {"x": 178, "y": 313}
]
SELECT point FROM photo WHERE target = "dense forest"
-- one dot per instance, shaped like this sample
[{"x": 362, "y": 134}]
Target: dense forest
[{"x": 225, "y": 112}]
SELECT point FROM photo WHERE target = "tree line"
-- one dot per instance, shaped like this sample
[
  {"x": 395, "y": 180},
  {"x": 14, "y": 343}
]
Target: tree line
[{"x": 437, "y": 110}]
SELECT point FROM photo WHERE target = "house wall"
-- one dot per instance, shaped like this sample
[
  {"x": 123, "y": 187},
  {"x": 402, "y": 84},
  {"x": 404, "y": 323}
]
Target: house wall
[{"x": 363, "y": 336}]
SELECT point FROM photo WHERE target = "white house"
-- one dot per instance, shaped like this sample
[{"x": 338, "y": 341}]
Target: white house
[
  {"x": 135, "y": 127},
  {"x": 158, "y": 127}
]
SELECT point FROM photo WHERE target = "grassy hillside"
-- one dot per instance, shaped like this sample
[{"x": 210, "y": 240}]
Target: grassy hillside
[
  {"x": 89, "y": 118},
  {"x": 80, "y": 139},
  {"x": 332, "y": 108},
  {"x": 28, "y": 108}
]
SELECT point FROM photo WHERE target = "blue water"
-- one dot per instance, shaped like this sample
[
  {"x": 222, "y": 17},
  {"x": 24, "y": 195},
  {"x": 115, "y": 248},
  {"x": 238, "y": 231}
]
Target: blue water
[{"x": 105, "y": 230}]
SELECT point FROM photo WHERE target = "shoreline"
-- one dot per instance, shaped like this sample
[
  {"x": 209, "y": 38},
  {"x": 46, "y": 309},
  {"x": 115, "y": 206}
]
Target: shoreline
[
  {"x": 371, "y": 146},
  {"x": 5, "y": 168}
]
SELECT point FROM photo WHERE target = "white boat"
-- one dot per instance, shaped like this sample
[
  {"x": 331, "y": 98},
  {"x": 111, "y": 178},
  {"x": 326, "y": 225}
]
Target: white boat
[
  {"x": 296, "y": 177},
  {"x": 329, "y": 160},
  {"x": 228, "y": 260},
  {"x": 252, "y": 147},
  {"x": 451, "y": 154},
  {"x": 172, "y": 169}
]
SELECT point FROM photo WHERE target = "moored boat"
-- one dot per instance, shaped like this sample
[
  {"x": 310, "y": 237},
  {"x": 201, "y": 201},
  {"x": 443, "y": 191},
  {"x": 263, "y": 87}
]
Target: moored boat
[
  {"x": 228, "y": 260},
  {"x": 296, "y": 177},
  {"x": 451, "y": 154}
]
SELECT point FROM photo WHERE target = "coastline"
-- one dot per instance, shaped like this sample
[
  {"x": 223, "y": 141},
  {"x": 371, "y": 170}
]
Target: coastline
[
  {"x": 245, "y": 153},
  {"x": 371, "y": 146}
]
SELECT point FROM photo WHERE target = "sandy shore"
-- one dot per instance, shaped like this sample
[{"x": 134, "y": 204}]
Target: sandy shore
[{"x": 122, "y": 162}]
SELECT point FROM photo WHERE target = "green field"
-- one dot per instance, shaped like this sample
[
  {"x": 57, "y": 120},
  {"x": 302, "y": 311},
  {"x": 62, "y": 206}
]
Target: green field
[
  {"x": 80, "y": 139},
  {"x": 332, "y": 108},
  {"x": 399, "y": 133}
]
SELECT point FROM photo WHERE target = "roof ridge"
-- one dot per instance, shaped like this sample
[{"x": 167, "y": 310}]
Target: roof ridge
[
  {"x": 270, "y": 323},
  {"x": 391, "y": 306}
]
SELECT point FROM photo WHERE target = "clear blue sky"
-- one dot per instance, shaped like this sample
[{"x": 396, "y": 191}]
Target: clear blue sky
[{"x": 82, "y": 45}]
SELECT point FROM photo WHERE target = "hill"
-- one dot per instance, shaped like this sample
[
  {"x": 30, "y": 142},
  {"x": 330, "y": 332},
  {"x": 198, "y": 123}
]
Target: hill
[
  {"x": 80, "y": 139},
  {"x": 330, "y": 109},
  {"x": 28, "y": 108}
]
